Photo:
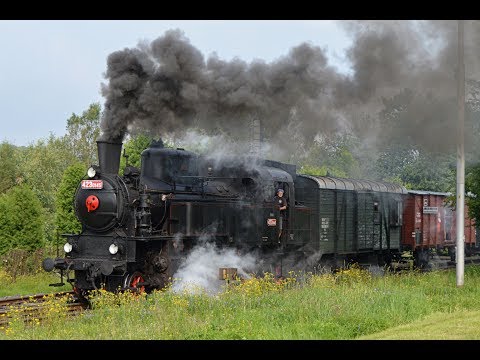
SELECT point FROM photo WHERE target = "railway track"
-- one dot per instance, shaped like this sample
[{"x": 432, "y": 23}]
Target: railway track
[
  {"x": 435, "y": 263},
  {"x": 34, "y": 308}
]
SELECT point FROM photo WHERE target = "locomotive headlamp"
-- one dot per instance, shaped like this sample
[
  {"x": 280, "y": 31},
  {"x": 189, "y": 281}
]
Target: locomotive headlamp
[
  {"x": 113, "y": 249},
  {"x": 91, "y": 172},
  {"x": 68, "y": 247}
]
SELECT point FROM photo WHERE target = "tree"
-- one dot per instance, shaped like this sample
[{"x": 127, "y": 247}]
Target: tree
[
  {"x": 472, "y": 122},
  {"x": 331, "y": 155},
  {"x": 320, "y": 171},
  {"x": 393, "y": 160},
  {"x": 82, "y": 134},
  {"x": 133, "y": 149},
  {"x": 9, "y": 167},
  {"x": 66, "y": 221},
  {"x": 416, "y": 146},
  {"x": 472, "y": 188},
  {"x": 6, "y": 238},
  {"x": 22, "y": 220},
  {"x": 431, "y": 172},
  {"x": 43, "y": 165}
]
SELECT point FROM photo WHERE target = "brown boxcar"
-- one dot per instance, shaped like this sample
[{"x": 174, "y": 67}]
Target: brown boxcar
[{"x": 430, "y": 223}]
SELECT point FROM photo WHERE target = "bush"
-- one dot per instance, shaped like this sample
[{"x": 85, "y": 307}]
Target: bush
[
  {"x": 19, "y": 262},
  {"x": 21, "y": 221},
  {"x": 65, "y": 218}
]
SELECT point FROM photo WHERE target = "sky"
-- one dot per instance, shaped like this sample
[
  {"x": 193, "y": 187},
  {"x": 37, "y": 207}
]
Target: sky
[{"x": 50, "y": 69}]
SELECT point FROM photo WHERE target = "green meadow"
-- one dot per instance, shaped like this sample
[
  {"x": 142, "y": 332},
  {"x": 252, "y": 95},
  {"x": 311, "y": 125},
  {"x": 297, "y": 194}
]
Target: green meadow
[{"x": 352, "y": 304}]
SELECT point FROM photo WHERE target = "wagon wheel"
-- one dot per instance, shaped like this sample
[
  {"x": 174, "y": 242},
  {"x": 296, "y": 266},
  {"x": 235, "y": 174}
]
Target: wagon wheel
[{"x": 133, "y": 280}]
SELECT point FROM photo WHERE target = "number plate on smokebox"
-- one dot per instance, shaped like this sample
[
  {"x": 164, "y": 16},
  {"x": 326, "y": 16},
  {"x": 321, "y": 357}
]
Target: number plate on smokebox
[{"x": 92, "y": 184}]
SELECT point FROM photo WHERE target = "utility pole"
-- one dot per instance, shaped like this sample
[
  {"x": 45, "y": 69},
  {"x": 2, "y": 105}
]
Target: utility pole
[{"x": 460, "y": 252}]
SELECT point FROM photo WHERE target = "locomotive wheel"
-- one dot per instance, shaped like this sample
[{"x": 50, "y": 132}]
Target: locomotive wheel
[{"x": 132, "y": 281}]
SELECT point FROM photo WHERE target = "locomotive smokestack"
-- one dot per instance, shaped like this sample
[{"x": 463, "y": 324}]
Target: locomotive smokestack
[{"x": 109, "y": 155}]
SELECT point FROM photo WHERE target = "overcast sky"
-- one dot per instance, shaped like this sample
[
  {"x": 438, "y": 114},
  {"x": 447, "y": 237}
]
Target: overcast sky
[{"x": 50, "y": 69}]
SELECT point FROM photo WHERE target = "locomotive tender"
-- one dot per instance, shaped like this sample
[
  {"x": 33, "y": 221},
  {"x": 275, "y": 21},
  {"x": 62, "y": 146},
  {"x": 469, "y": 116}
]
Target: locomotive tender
[{"x": 137, "y": 228}]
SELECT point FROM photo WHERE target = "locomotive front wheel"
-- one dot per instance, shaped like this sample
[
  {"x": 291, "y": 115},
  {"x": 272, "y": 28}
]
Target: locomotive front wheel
[{"x": 133, "y": 281}]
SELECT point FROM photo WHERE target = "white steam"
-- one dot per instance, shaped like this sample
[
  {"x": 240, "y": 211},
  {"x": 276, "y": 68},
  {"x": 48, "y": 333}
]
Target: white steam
[{"x": 200, "y": 271}]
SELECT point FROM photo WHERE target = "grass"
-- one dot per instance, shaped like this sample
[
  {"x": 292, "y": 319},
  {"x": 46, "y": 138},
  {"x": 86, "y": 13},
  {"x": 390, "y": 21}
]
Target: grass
[
  {"x": 459, "y": 325},
  {"x": 30, "y": 284},
  {"x": 352, "y": 304}
]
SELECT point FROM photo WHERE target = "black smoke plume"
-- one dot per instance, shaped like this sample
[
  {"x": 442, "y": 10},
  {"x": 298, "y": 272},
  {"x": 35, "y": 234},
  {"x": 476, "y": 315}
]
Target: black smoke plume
[{"x": 168, "y": 87}]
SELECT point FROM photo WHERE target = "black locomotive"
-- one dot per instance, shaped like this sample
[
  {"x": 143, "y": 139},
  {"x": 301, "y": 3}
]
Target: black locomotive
[{"x": 137, "y": 228}]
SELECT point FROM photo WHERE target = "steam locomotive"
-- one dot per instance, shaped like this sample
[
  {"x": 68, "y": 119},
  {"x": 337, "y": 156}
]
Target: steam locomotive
[{"x": 137, "y": 228}]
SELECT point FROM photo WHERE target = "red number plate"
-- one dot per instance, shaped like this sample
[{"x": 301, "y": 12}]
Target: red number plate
[
  {"x": 272, "y": 222},
  {"x": 92, "y": 184}
]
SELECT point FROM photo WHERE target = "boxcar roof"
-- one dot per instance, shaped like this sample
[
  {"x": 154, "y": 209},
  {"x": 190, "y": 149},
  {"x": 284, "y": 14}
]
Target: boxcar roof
[
  {"x": 329, "y": 182},
  {"x": 422, "y": 192}
]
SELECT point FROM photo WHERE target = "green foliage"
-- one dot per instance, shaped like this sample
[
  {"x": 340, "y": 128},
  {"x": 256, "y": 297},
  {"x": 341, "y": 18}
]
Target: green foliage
[
  {"x": 82, "y": 134},
  {"x": 419, "y": 170},
  {"x": 43, "y": 165},
  {"x": 21, "y": 220},
  {"x": 133, "y": 149},
  {"x": 65, "y": 219},
  {"x": 9, "y": 167},
  {"x": 410, "y": 150},
  {"x": 18, "y": 262},
  {"x": 393, "y": 160},
  {"x": 430, "y": 172},
  {"x": 6, "y": 239},
  {"x": 472, "y": 187},
  {"x": 331, "y": 155},
  {"x": 397, "y": 180},
  {"x": 320, "y": 171},
  {"x": 472, "y": 121}
]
